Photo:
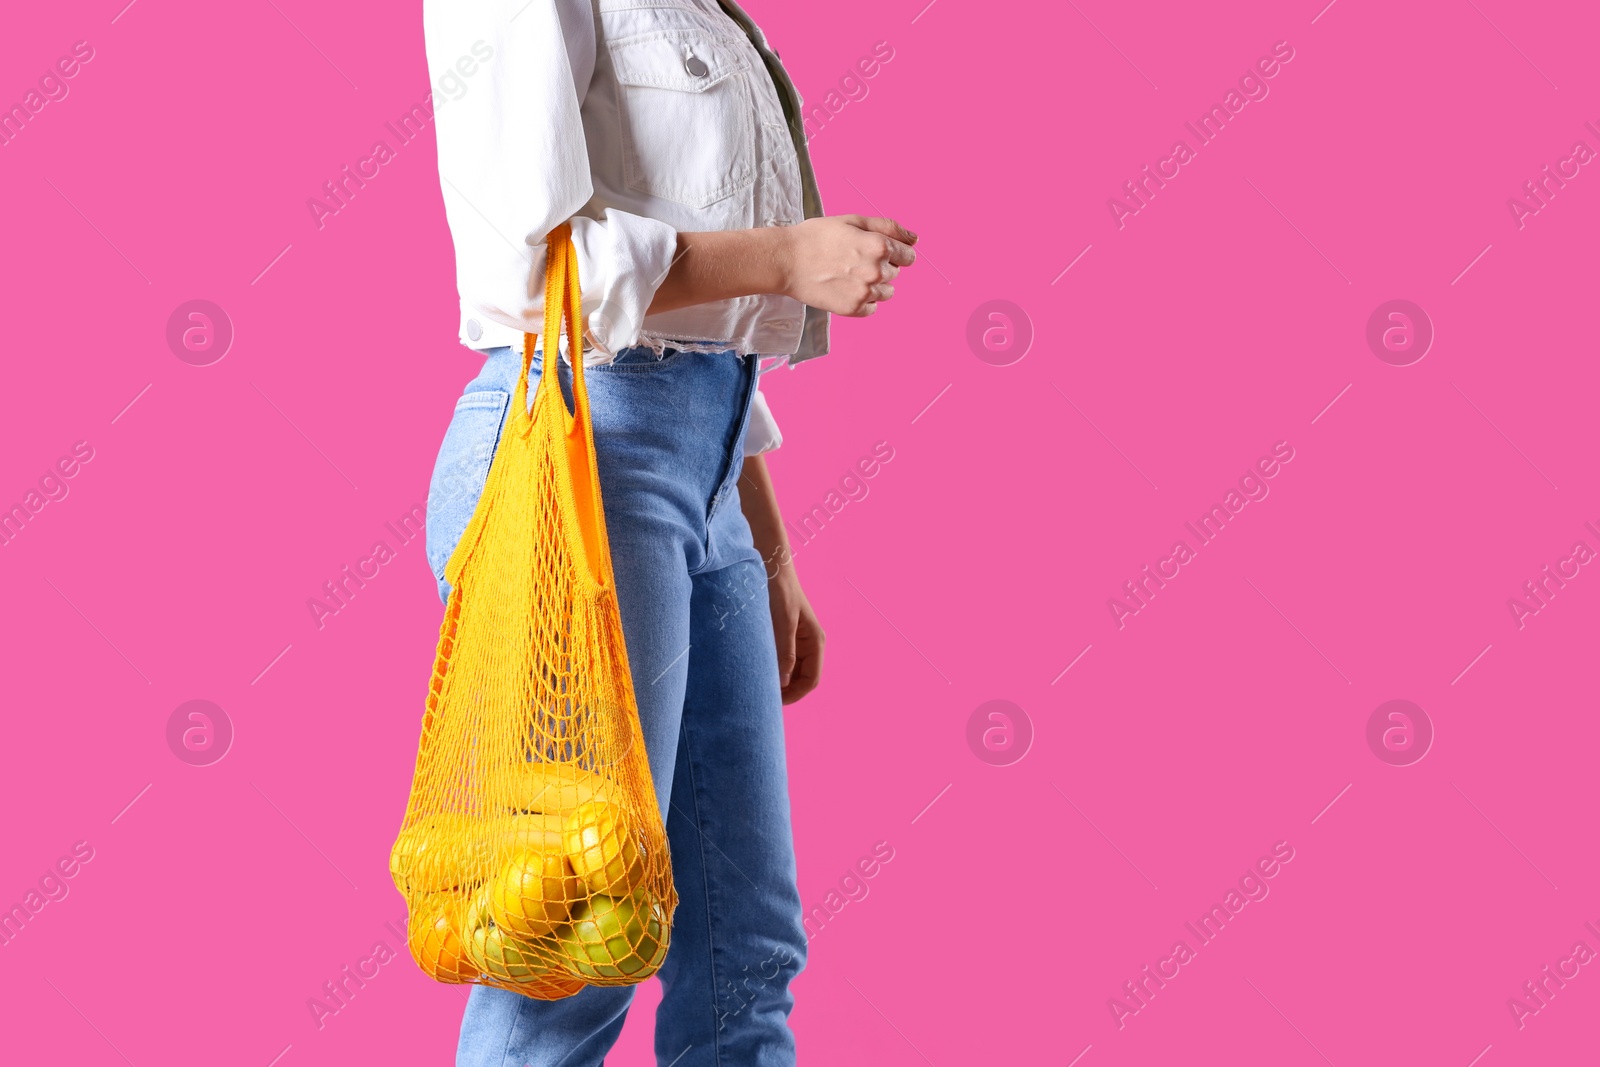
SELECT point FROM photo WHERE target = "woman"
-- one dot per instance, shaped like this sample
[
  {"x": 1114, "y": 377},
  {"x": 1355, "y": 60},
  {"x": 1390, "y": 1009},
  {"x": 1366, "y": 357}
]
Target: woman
[{"x": 670, "y": 136}]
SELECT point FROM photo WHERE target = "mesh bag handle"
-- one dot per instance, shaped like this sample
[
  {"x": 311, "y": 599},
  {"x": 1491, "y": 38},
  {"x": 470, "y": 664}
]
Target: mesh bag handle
[{"x": 562, "y": 299}]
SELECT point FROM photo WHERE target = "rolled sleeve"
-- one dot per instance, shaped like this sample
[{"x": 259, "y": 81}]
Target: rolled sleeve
[
  {"x": 761, "y": 434},
  {"x": 622, "y": 261},
  {"x": 514, "y": 165}
]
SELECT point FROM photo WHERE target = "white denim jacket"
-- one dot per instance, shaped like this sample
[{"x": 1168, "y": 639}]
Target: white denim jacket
[{"x": 634, "y": 119}]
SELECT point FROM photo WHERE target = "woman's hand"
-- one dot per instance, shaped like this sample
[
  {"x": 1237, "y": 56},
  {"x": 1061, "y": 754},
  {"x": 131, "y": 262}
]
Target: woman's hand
[
  {"x": 795, "y": 630},
  {"x": 794, "y": 625},
  {"x": 845, "y": 264}
]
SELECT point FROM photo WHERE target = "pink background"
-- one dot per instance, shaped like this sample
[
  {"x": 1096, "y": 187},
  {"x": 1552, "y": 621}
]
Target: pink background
[{"x": 1224, "y": 717}]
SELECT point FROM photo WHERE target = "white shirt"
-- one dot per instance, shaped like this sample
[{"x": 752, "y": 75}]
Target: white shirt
[{"x": 633, "y": 119}]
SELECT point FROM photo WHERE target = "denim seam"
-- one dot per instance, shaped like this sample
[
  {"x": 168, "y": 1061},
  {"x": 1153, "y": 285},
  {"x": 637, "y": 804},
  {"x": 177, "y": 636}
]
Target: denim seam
[
  {"x": 479, "y": 398},
  {"x": 666, "y": 356},
  {"x": 511, "y": 1032},
  {"x": 504, "y": 404},
  {"x": 705, "y": 875},
  {"x": 628, "y": 368},
  {"x": 733, "y": 459},
  {"x": 583, "y": 1046}
]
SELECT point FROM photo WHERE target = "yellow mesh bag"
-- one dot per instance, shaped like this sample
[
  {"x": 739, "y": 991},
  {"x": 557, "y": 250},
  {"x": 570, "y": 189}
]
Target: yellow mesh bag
[{"x": 532, "y": 856}]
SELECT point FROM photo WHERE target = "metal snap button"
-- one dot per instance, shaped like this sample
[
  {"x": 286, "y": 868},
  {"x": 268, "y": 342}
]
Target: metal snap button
[{"x": 695, "y": 66}]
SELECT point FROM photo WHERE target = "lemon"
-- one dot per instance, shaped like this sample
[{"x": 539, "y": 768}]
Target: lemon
[
  {"x": 451, "y": 851},
  {"x": 494, "y": 952},
  {"x": 552, "y": 986},
  {"x": 601, "y": 848},
  {"x": 439, "y": 852},
  {"x": 555, "y": 788},
  {"x": 534, "y": 893},
  {"x": 515, "y": 834},
  {"x": 433, "y": 933}
]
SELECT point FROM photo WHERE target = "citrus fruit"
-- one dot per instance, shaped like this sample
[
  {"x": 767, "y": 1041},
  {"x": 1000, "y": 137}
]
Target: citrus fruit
[
  {"x": 513, "y": 834},
  {"x": 614, "y": 940},
  {"x": 556, "y": 788},
  {"x": 439, "y": 852},
  {"x": 533, "y": 893},
  {"x": 601, "y": 848},
  {"x": 433, "y": 933},
  {"x": 553, "y": 986},
  {"x": 492, "y": 949},
  {"x": 451, "y": 851}
]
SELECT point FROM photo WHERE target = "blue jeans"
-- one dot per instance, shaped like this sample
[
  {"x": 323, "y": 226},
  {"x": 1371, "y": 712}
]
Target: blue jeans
[{"x": 669, "y": 434}]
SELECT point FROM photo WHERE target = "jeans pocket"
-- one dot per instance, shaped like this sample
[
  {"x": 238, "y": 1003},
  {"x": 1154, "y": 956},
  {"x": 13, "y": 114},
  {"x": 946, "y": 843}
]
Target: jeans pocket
[{"x": 461, "y": 469}]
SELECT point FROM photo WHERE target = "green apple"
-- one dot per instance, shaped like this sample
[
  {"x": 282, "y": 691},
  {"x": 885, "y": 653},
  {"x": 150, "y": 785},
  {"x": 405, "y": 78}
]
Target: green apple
[
  {"x": 492, "y": 948},
  {"x": 614, "y": 940}
]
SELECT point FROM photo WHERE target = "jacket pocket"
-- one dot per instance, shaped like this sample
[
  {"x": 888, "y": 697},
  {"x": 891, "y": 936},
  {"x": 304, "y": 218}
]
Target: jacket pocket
[
  {"x": 461, "y": 469},
  {"x": 688, "y": 123}
]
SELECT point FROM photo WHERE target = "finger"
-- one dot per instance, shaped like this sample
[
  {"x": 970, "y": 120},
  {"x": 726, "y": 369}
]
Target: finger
[
  {"x": 800, "y": 686},
  {"x": 882, "y": 291},
  {"x": 783, "y": 629},
  {"x": 901, "y": 255},
  {"x": 808, "y": 673},
  {"x": 813, "y": 649},
  {"x": 808, "y": 670},
  {"x": 889, "y": 228}
]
